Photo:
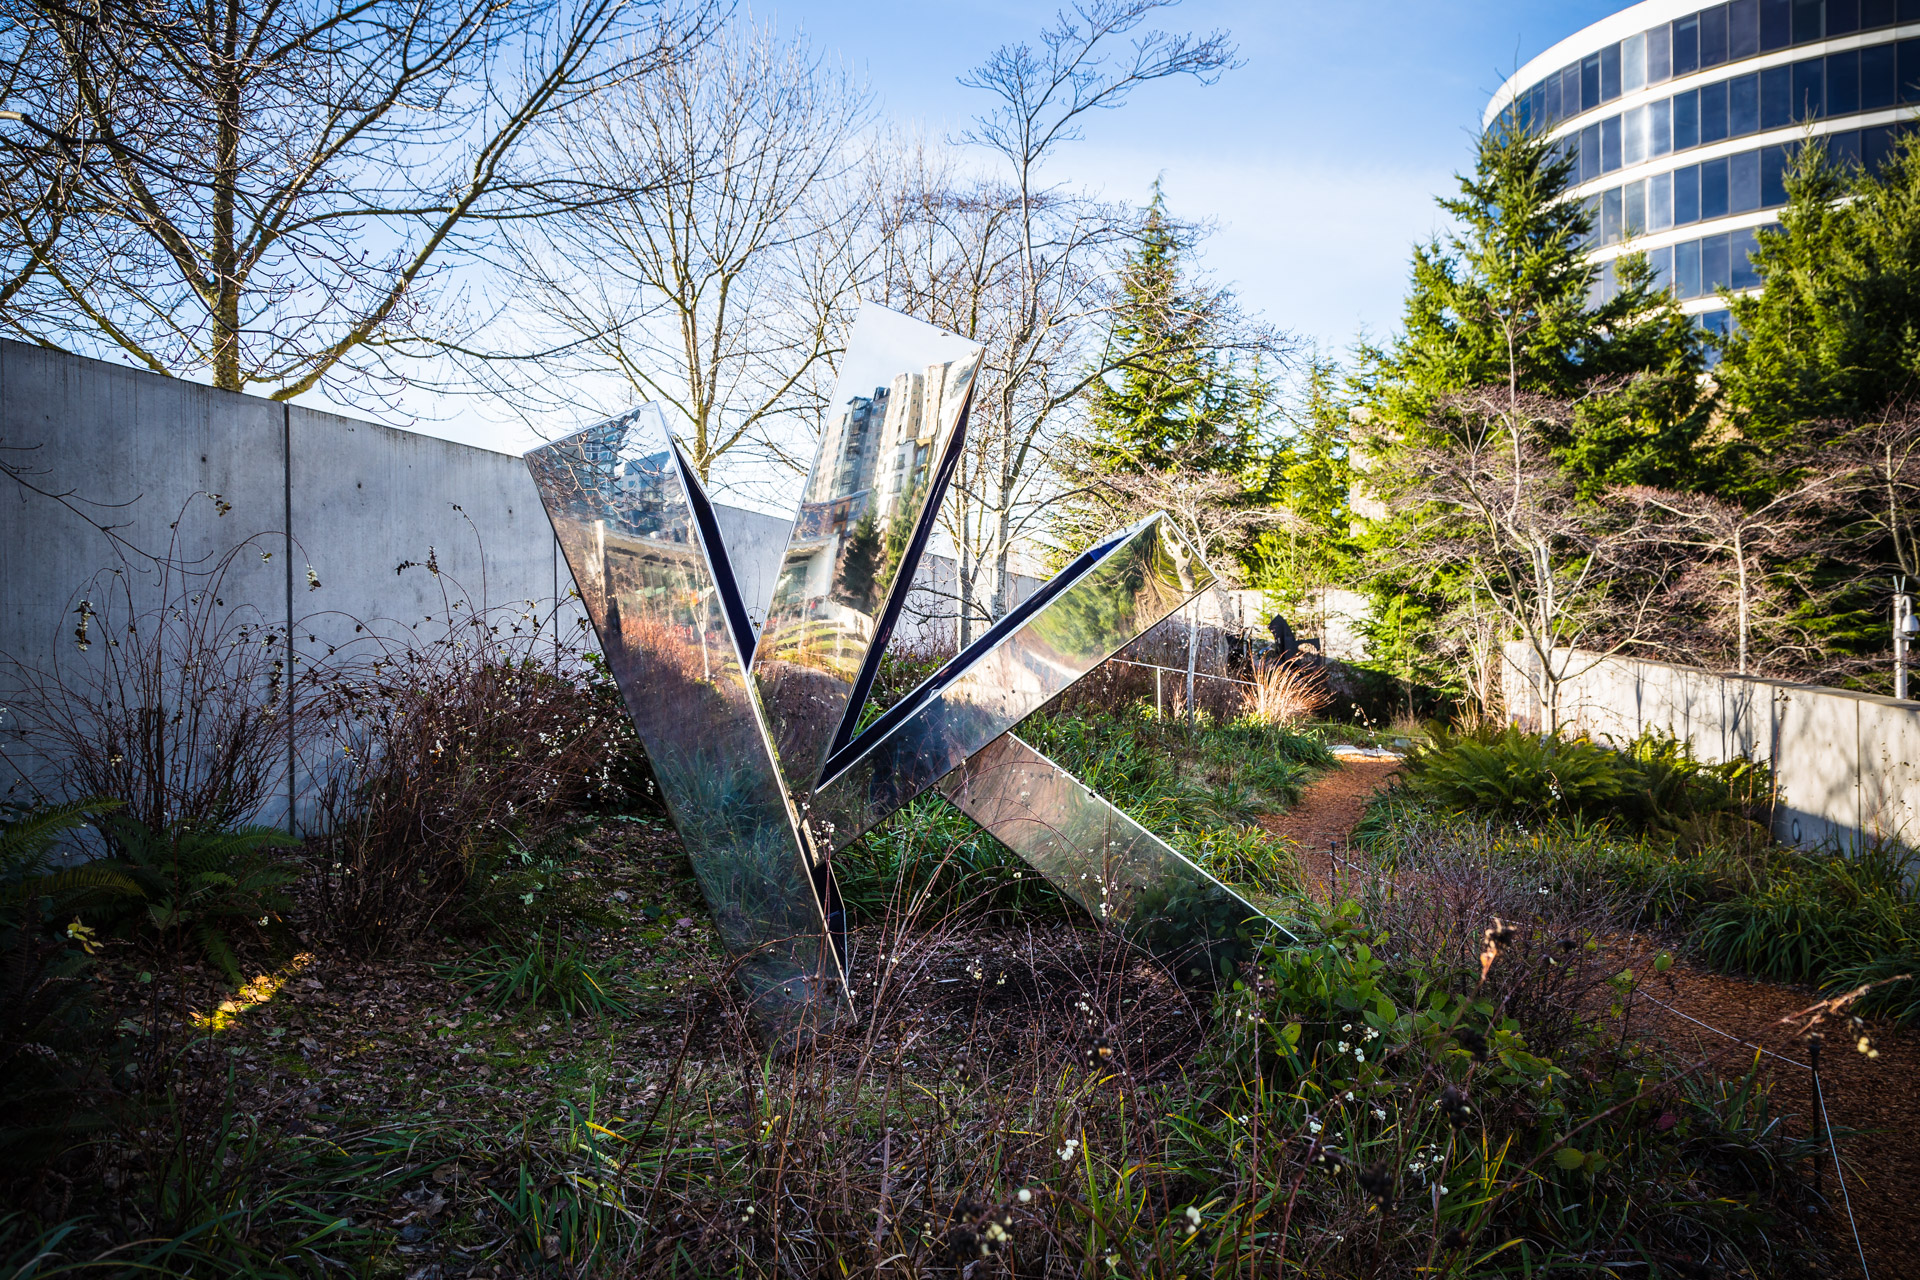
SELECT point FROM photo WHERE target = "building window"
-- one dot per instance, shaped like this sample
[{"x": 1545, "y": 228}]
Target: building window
[
  {"x": 1686, "y": 45},
  {"x": 1660, "y": 202},
  {"x": 1743, "y": 29},
  {"x": 1686, "y": 269},
  {"x": 1743, "y": 105},
  {"x": 1809, "y": 89},
  {"x": 1686, "y": 195},
  {"x": 1713, "y": 36}
]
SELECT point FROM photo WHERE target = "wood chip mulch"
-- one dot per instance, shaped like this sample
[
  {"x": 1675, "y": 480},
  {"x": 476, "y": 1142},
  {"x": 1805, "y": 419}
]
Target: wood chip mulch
[
  {"x": 1872, "y": 1103},
  {"x": 1877, "y": 1099}
]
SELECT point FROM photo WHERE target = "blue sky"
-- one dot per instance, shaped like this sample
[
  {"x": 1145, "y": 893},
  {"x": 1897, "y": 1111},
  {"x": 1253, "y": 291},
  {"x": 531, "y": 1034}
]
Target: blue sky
[{"x": 1318, "y": 159}]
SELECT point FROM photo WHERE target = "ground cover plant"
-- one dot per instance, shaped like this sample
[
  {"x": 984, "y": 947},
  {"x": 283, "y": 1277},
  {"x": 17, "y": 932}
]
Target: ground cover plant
[
  {"x": 554, "y": 1079},
  {"x": 1675, "y": 844}
]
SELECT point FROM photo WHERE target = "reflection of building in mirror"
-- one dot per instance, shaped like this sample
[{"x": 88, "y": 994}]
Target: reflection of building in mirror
[
  {"x": 875, "y": 456},
  {"x": 859, "y": 506}
]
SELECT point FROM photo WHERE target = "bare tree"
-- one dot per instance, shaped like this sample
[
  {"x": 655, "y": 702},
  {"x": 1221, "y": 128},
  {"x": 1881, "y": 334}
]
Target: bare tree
[
  {"x": 263, "y": 193},
  {"x": 1885, "y": 489},
  {"x": 1577, "y": 581},
  {"x": 722, "y": 275},
  {"x": 1749, "y": 544},
  {"x": 1026, "y": 268}
]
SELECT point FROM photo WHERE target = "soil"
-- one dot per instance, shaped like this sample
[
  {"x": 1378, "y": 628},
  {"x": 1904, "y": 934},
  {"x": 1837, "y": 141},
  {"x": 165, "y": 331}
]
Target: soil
[
  {"x": 1872, "y": 1103},
  {"x": 1327, "y": 813}
]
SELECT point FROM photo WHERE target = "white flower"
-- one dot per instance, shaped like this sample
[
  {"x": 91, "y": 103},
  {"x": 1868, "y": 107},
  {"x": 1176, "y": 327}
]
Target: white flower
[
  {"x": 1066, "y": 1152},
  {"x": 1443, "y": 1188},
  {"x": 1378, "y": 1114},
  {"x": 1026, "y": 1196},
  {"x": 1313, "y": 1126},
  {"x": 1359, "y": 1055},
  {"x": 1193, "y": 1216},
  {"x": 1341, "y": 1047},
  {"x": 1346, "y": 1026},
  {"x": 1349, "y": 1095}
]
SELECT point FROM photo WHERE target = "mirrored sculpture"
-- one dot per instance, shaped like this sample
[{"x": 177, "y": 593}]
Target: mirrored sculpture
[{"x": 756, "y": 741}]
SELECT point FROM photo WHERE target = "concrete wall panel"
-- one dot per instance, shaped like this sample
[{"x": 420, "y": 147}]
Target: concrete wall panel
[
  {"x": 1847, "y": 764},
  {"x": 352, "y": 500}
]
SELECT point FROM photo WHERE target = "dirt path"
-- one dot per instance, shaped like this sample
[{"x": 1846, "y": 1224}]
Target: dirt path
[
  {"x": 1327, "y": 813},
  {"x": 1878, "y": 1098}
]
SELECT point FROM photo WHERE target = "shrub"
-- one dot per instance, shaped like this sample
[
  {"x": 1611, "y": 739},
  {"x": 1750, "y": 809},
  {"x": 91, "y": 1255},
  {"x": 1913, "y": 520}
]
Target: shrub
[
  {"x": 45, "y": 953},
  {"x": 1425, "y": 1103},
  {"x": 1506, "y": 771},
  {"x": 446, "y": 749},
  {"x": 179, "y": 711},
  {"x": 1654, "y": 784}
]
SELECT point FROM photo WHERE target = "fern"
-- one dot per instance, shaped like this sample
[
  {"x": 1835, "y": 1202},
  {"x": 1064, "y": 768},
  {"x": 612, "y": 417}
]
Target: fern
[{"x": 204, "y": 885}]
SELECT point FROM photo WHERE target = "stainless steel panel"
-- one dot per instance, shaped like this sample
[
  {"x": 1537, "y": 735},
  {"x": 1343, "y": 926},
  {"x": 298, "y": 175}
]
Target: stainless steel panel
[
  {"x": 1118, "y": 870},
  {"x": 638, "y": 534},
  {"x": 1091, "y": 609},
  {"x": 893, "y": 434}
]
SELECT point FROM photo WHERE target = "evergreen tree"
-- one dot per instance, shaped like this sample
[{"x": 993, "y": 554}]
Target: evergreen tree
[
  {"x": 1176, "y": 396},
  {"x": 1310, "y": 478},
  {"x": 1507, "y": 299},
  {"x": 1504, "y": 307},
  {"x": 1178, "y": 410},
  {"x": 1835, "y": 334},
  {"x": 1823, "y": 372}
]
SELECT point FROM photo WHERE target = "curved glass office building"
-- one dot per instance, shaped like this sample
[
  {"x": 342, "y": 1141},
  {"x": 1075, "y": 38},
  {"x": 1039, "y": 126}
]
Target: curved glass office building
[{"x": 1681, "y": 120}]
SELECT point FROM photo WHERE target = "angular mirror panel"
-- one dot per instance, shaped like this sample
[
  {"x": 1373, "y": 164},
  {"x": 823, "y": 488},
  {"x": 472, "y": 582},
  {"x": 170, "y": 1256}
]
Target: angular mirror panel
[
  {"x": 1089, "y": 611},
  {"x": 639, "y": 537},
  {"x": 893, "y": 433},
  {"x": 1118, "y": 870}
]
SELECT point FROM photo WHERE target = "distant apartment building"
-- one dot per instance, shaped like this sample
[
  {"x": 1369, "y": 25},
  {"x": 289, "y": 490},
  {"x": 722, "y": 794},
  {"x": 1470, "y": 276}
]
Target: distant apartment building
[
  {"x": 1681, "y": 121},
  {"x": 878, "y": 449}
]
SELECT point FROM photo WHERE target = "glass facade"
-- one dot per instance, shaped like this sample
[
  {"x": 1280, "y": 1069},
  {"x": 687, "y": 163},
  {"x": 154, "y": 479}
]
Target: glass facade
[
  {"x": 1877, "y": 78},
  {"x": 1739, "y": 183},
  {"x": 1727, "y": 33},
  {"x": 1735, "y": 70},
  {"x": 1696, "y": 268}
]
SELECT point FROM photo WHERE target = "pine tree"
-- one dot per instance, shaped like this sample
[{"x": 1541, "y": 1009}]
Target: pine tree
[
  {"x": 1835, "y": 334},
  {"x": 1507, "y": 300}
]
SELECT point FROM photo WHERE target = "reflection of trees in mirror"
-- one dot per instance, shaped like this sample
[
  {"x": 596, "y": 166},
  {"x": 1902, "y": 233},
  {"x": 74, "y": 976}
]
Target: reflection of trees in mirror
[{"x": 1202, "y": 934}]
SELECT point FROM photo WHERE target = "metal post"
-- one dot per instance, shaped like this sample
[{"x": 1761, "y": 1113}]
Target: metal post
[
  {"x": 1158, "y": 714},
  {"x": 1902, "y": 610}
]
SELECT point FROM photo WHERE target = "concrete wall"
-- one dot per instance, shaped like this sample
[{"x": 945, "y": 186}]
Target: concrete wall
[
  {"x": 95, "y": 445},
  {"x": 1847, "y": 764}
]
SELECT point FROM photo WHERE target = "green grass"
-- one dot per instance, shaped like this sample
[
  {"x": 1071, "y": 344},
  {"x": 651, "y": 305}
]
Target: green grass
[{"x": 1201, "y": 787}]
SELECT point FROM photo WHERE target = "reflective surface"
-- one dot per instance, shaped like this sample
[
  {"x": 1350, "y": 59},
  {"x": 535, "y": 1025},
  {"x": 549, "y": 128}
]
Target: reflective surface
[
  {"x": 1719, "y": 34},
  {"x": 739, "y": 734},
  {"x": 893, "y": 434},
  {"x": 1111, "y": 865},
  {"x": 646, "y": 558},
  {"x": 1091, "y": 609}
]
